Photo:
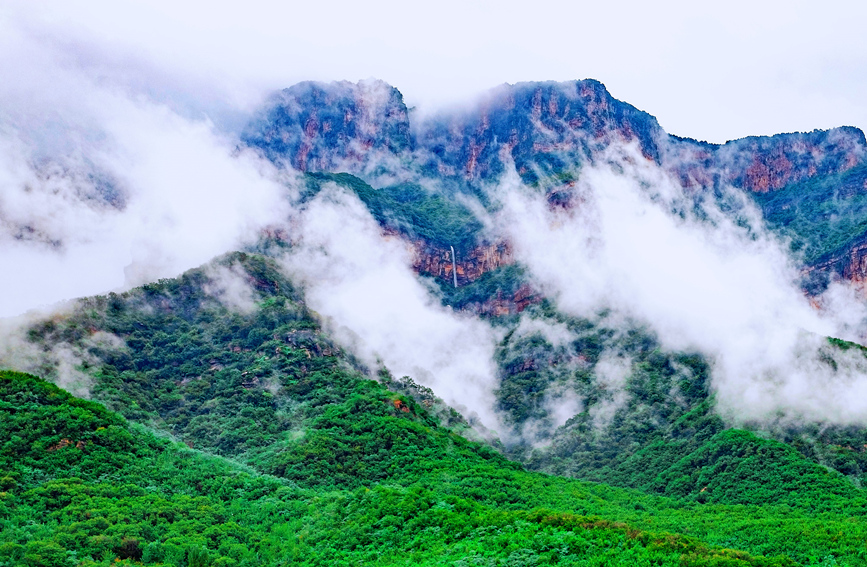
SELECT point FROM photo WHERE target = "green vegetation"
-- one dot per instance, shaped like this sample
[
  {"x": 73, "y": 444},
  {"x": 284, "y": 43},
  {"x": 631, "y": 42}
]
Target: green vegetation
[
  {"x": 646, "y": 421},
  {"x": 243, "y": 385},
  {"x": 823, "y": 215},
  {"x": 417, "y": 212},
  {"x": 299, "y": 458},
  {"x": 82, "y": 486}
]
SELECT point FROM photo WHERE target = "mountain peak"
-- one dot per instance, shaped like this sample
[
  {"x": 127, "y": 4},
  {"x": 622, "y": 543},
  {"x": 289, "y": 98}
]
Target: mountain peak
[{"x": 330, "y": 126}]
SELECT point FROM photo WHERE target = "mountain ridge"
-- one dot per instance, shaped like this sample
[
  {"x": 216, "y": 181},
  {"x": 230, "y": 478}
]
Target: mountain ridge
[
  {"x": 548, "y": 131},
  {"x": 294, "y": 442}
]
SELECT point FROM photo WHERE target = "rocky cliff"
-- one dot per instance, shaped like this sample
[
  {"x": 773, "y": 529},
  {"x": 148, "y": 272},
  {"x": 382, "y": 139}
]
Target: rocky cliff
[
  {"x": 765, "y": 163},
  {"x": 544, "y": 128},
  {"x": 331, "y": 127},
  {"x": 433, "y": 261},
  {"x": 507, "y": 298},
  {"x": 546, "y": 131}
]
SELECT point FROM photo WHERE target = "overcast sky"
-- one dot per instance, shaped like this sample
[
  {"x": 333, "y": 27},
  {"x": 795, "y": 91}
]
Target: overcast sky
[{"x": 713, "y": 71}]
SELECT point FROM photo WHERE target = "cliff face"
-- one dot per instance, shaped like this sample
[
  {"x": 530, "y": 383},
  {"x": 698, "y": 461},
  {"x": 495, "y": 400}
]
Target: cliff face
[
  {"x": 766, "y": 163},
  {"x": 543, "y": 128},
  {"x": 329, "y": 127},
  {"x": 547, "y": 130},
  {"x": 431, "y": 261},
  {"x": 436, "y": 262},
  {"x": 849, "y": 263},
  {"x": 507, "y": 293}
]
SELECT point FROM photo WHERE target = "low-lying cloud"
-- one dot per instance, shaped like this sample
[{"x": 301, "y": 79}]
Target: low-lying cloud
[
  {"x": 705, "y": 282},
  {"x": 363, "y": 284},
  {"x": 103, "y": 188},
  {"x": 106, "y": 184}
]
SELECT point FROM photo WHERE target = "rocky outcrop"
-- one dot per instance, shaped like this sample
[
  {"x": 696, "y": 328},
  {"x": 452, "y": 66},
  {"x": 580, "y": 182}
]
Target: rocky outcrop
[
  {"x": 330, "y": 127},
  {"x": 431, "y": 261},
  {"x": 849, "y": 264},
  {"x": 543, "y": 128},
  {"x": 765, "y": 163}
]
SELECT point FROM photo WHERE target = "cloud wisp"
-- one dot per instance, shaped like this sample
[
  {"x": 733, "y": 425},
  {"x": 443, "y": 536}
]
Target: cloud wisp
[
  {"x": 633, "y": 245},
  {"x": 102, "y": 188},
  {"x": 362, "y": 283}
]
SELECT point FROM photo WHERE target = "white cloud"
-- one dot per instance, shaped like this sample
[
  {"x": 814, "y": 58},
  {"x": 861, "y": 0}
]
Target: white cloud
[
  {"x": 100, "y": 189},
  {"x": 706, "y": 71},
  {"x": 715, "y": 287},
  {"x": 363, "y": 284}
]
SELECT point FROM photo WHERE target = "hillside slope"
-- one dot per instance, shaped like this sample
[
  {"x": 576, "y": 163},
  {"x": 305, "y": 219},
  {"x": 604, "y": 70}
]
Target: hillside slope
[
  {"x": 305, "y": 448},
  {"x": 82, "y": 486}
]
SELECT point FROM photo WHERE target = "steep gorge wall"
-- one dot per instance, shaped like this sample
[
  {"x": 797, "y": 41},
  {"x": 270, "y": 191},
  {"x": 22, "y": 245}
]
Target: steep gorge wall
[{"x": 435, "y": 262}]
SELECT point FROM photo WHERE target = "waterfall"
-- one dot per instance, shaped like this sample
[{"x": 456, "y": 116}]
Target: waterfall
[{"x": 454, "y": 266}]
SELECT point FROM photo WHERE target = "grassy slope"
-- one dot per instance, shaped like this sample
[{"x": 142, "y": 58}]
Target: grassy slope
[
  {"x": 116, "y": 490},
  {"x": 823, "y": 215},
  {"x": 269, "y": 390}
]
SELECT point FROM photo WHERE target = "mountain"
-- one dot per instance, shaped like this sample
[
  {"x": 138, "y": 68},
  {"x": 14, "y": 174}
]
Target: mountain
[
  {"x": 290, "y": 454},
  {"x": 239, "y": 413},
  {"x": 318, "y": 127},
  {"x": 547, "y": 129}
]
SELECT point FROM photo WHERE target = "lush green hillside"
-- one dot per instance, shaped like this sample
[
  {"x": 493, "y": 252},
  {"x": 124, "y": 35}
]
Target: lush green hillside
[
  {"x": 648, "y": 421},
  {"x": 243, "y": 385},
  {"x": 663, "y": 411},
  {"x": 82, "y": 486},
  {"x": 312, "y": 462},
  {"x": 418, "y": 213}
]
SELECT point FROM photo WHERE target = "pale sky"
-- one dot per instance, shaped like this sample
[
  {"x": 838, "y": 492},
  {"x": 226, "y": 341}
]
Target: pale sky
[{"x": 712, "y": 71}]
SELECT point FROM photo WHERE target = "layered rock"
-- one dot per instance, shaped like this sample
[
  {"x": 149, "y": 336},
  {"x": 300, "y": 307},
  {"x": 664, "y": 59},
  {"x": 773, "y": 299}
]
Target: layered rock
[
  {"x": 431, "y": 261},
  {"x": 545, "y": 130},
  {"x": 850, "y": 264},
  {"x": 331, "y": 127}
]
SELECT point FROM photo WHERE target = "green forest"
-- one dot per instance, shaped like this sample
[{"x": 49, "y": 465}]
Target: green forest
[{"x": 217, "y": 436}]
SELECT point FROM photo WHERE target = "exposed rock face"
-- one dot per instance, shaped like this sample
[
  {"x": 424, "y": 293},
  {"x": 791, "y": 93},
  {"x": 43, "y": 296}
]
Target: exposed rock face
[
  {"x": 855, "y": 268},
  {"x": 431, "y": 261},
  {"x": 328, "y": 127},
  {"x": 545, "y": 130},
  {"x": 765, "y": 163},
  {"x": 849, "y": 264},
  {"x": 541, "y": 127}
]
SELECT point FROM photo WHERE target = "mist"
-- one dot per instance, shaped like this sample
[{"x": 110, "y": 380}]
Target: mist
[
  {"x": 104, "y": 188},
  {"x": 723, "y": 286},
  {"x": 62, "y": 362},
  {"x": 361, "y": 282},
  {"x": 113, "y": 178}
]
